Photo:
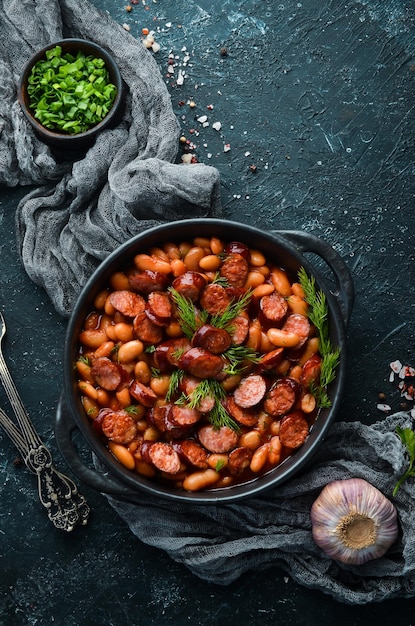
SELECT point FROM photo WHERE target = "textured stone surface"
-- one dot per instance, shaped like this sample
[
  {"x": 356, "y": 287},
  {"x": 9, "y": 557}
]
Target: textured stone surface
[{"x": 319, "y": 97}]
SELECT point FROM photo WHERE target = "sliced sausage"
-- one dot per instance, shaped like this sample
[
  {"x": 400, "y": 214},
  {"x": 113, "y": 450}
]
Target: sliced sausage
[
  {"x": 214, "y": 298},
  {"x": 201, "y": 363},
  {"x": 298, "y": 325},
  {"x": 217, "y": 440},
  {"x": 191, "y": 453},
  {"x": 164, "y": 457},
  {"x": 119, "y": 426},
  {"x": 168, "y": 353},
  {"x": 106, "y": 373},
  {"x": 212, "y": 339},
  {"x": 270, "y": 360},
  {"x": 159, "y": 305},
  {"x": 127, "y": 302},
  {"x": 146, "y": 330},
  {"x": 144, "y": 394},
  {"x": 181, "y": 415},
  {"x": 158, "y": 417},
  {"x": 245, "y": 417},
  {"x": 250, "y": 391},
  {"x": 239, "y": 460},
  {"x": 235, "y": 270},
  {"x": 146, "y": 281},
  {"x": 281, "y": 398},
  {"x": 311, "y": 370},
  {"x": 294, "y": 430},
  {"x": 145, "y": 450},
  {"x": 240, "y": 329},
  {"x": 188, "y": 385},
  {"x": 273, "y": 308},
  {"x": 237, "y": 247},
  {"x": 189, "y": 285},
  {"x": 160, "y": 357}
]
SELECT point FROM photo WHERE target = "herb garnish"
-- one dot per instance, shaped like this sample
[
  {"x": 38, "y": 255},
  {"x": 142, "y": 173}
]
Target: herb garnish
[
  {"x": 330, "y": 355},
  {"x": 70, "y": 92},
  {"x": 175, "y": 380},
  {"x": 407, "y": 436},
  {"x": 238, "y": 357},
  {"x": 191, "y": 320}
]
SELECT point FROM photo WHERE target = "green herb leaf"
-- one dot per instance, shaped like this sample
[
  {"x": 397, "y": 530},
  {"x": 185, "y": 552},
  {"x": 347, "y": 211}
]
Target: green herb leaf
[
  {"x": 174, "y": 384},
  {"x": 407, "y": 436},
  {"x": 70, "y": 94},
  {"x": 224, "y": 320},
  {"x": 238, "y": 357},
  {"x": 188, "y": 320},
  {"x": 318, "y": 316},
  {"x": 203, "y": 390}
]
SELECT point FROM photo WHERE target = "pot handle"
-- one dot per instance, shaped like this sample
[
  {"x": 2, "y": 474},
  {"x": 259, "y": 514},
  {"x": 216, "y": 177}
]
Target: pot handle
[
  {"x": 307, "y": 242},
  {"x": 64, "y": 429}
]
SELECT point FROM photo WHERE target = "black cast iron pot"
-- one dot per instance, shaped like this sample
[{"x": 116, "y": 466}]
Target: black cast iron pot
[{"x": 288, "y": 249}]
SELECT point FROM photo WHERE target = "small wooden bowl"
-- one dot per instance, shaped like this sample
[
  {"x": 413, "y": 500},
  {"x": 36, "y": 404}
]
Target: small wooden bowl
[{"x": 84, "y": 140}]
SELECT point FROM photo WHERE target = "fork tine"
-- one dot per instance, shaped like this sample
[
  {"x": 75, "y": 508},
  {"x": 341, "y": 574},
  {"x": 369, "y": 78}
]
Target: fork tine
[
  {"x": 27, "y": 429},
  {"x": 13, "y": 433}
]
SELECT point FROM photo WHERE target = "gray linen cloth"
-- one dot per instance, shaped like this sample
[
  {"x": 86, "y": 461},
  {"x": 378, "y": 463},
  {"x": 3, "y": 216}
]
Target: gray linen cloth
[
  {"x": 77, "y": 212},
  {"x": 219, "y": 543},
  {"x": 128, "y": 181}
]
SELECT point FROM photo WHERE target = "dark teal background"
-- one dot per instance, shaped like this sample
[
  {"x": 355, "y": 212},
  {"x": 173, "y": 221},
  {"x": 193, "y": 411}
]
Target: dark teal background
[{"x": 319, "y": 96}]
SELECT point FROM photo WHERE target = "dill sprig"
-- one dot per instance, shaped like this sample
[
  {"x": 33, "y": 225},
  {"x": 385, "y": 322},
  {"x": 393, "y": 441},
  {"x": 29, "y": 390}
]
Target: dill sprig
[
  {"x": 219, "y": 417},
  {"x": 191, "y": 320},
  {"x": 174, "y": 384},
  {"x": 200, "y": 392},
  {"x": 238, "y": 357},
  {"x": 188, "y": 319},
  {"x": 235, "y": 307},
  {"x": 318, "y": 316}
]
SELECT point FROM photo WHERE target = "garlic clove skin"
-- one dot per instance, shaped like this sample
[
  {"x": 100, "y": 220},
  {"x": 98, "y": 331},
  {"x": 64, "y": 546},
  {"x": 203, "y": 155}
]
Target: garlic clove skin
[{"x": 353, "y": 522}]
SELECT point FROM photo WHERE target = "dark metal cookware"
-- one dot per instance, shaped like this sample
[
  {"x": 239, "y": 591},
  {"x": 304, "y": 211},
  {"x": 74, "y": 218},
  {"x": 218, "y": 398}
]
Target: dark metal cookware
[{"x": 289, "y": 249}]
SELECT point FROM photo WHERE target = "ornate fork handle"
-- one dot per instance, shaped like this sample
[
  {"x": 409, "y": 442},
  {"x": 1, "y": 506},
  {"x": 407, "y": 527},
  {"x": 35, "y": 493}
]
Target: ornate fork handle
[
  {"x": 58, "y": 493},
  {"x": 65, "y": 506}
]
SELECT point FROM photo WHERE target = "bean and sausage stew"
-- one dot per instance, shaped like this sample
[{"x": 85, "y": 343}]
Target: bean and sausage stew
[{"x": 197, "y": 364}]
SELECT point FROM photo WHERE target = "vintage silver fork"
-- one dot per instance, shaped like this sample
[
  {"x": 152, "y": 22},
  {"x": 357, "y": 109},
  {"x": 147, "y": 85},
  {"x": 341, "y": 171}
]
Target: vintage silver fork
[{"x": 65, "y": 506}]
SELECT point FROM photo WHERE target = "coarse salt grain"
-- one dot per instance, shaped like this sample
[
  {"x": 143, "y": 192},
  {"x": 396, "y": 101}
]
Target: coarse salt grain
[
  {"x": 226, "y": 147},
  {"x": 202, "y": 119},
  {"x": 126, "y": 27},
  {"x": 217, "y": 125},
  {"x": 396, "y": 366},
  {"x": 384, "y": 407}
]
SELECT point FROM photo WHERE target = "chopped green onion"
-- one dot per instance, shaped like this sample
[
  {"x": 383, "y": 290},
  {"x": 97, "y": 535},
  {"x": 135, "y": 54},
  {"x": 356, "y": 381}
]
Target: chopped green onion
[{"x": 70, "y": 93}]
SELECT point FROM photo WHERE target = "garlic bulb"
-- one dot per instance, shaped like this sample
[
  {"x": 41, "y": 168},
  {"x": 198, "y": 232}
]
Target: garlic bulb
[{"x": 353, "y": 522}]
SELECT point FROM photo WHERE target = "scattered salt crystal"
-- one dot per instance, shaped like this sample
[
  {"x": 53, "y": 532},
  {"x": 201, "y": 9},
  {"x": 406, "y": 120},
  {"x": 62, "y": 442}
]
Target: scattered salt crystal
[
  {"x": 180, "y": 78},
  {"x": 126, "y": 27},
  {"x": 226, "y": 147},
  {"x": 384, "y": 407},
  {"x": 396, "y": 366},
  {"x": 202, "y": 119},
  {"x": 168, "y": 24},
  {"x": 391, "y": 377},
  {"x": 170, "y": 69},
  {"x": 209, "y": 155},
  {"x": 247, "y": 153},
  {"x": 155, "y": 47},
  {"x": 217, "y": 125}
]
